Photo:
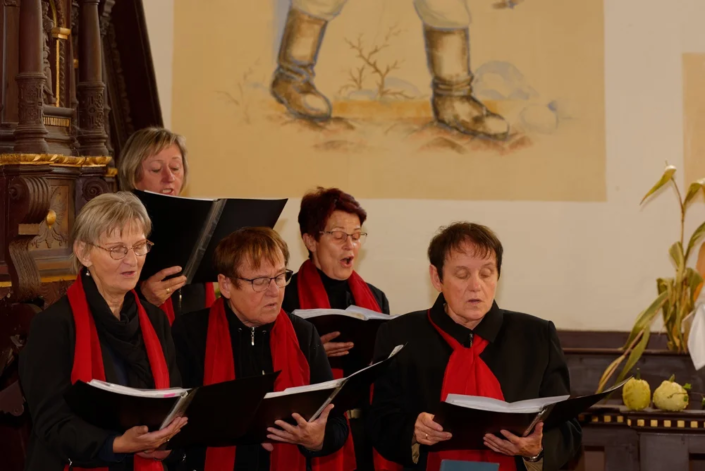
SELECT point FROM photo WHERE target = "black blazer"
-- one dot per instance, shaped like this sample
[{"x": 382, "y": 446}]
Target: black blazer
[
  {"x": 524, "y": 353},
  {"x": 45, "y": 374},
  {"x": 253, "y": 356}
]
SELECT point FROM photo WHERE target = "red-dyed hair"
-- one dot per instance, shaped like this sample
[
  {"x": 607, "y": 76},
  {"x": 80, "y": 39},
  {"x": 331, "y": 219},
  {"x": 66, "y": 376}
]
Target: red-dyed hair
[{"x": 317, "y": 206}]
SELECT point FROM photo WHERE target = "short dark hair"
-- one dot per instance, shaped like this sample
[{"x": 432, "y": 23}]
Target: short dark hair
[
  {"x": 317, "y": 206},
  {"x": 452, "y": 237},
  {"x": 250, "y": 243}
]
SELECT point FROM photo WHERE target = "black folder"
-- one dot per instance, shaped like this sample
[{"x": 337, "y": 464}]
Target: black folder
[
  {"x": 217, "y": 413},
  {"x": 469, "y": 426},
  {"x": 362, "y": 332},
  {"x": 343, "y": 393},
  {"x": 185, "y": 231},
  {"x": 223, "y": 415}
]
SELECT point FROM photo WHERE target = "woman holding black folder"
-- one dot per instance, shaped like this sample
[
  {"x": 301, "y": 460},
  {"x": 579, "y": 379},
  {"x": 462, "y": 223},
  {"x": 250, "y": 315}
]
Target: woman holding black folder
[
  {"x": 246, "y": 333},
  {"x": 465, "y": 344},
  {"x": 331, "y": 222},
  {"x": 99, "y": 330},
  {"x": 154, "y": 159}
]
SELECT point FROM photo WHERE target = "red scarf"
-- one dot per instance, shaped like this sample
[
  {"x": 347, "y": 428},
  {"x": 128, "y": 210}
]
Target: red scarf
[
  {"x": 467, "y": 374},
  {"x": 287, "y": 357},
  {"x": 88, "y": 358},
  {"x": 168, "y": 306},
  {"x": 312, "y": 295}
]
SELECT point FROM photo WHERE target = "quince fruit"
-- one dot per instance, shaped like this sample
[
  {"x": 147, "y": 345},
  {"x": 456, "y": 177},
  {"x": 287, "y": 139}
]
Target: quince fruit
[
  {"x": 671, "y": 396},
  {"x": 636, "y": 393}
]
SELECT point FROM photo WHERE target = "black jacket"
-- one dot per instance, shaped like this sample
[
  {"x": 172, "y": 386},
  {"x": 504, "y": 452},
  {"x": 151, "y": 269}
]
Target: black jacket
[
  {"x": 524, "y": 354},
  {"x": 190, "y": 332},
  {"x": 45, "y": 373}
]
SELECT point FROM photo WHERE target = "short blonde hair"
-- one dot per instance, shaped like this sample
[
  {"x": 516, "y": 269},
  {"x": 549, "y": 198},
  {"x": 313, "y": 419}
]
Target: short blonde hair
[
  {"x": 142, "y": 144},
  {"x": 251, "y": 243},
  {"x": 105, "y": 214}
]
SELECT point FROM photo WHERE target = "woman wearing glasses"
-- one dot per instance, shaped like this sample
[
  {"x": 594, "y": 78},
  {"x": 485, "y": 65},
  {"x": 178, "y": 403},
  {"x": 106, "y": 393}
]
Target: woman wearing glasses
[
  {"x": 99, "y": 330},
  {"x": 246, "y": 333},
  {"x": 331, "y": 222},
  {"x": 154, "y": 159}
]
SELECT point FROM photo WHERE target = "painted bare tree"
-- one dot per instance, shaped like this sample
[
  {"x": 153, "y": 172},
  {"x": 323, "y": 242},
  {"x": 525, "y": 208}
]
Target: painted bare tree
[{"x": 372, "y": 65}]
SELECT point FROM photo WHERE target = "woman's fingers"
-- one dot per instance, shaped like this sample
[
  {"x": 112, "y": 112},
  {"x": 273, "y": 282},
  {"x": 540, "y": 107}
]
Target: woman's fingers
[
  {"x": 335, "y": 348},
  {"x": 430, "y": 434},
  {"x": 161, "y": 274},
  {"x": 175, "y": 283},
  {"x": 328, "y": 337},
  {"x": 427, "y": 420}
]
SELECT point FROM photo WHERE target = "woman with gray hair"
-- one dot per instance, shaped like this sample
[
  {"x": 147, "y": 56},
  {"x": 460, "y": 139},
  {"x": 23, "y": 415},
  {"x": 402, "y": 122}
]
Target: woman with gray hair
[
  {"x": 99, "y": 330},
  {"x": 154, "y": 159}
]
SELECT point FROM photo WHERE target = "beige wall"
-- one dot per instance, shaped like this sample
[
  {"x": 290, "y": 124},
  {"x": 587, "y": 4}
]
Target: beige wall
[
  {"x": 582, "y": 265},
  {"x": 160, "y": 25}
]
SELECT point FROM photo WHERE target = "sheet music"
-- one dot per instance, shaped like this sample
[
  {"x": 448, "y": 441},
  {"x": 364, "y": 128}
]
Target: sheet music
[{"x": 127, "y": 391}]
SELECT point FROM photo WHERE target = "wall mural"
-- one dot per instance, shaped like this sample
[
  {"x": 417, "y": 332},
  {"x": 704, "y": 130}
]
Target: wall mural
[{"x": 439, "y": 99}]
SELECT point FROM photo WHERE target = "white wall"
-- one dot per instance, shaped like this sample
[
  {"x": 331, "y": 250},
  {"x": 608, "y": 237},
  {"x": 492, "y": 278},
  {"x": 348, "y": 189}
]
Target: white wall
[
  {"x": 582, "y": 265},
  {"x": 160, "y": 25}
]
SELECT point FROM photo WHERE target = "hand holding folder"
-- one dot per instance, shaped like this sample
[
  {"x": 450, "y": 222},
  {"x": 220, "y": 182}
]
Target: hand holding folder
[
  {"x": 310, "y": 401},
  {"x": 355, "y": 324},
  {"x": 225, "y": 414},
  {"x": 470, "y": 418},
  {"x": 218, "y": 414}
]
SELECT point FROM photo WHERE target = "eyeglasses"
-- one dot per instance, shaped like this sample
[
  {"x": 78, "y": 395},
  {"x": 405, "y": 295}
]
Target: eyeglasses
[
  {"x": 262, "y": 283},
  {"x": 120, "y": 251},
  {"x": 342, "y": 236}
]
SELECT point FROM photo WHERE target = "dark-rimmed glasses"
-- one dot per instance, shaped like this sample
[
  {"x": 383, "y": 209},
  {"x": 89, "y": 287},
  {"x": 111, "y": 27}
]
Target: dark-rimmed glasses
[
  {"x": 342, "y": 236},
  {"x": 261, "y": 283}
]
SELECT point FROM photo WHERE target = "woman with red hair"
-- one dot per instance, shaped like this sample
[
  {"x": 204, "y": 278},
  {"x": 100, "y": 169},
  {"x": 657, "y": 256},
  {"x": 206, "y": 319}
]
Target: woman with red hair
[{"x": 331, "y": 222}]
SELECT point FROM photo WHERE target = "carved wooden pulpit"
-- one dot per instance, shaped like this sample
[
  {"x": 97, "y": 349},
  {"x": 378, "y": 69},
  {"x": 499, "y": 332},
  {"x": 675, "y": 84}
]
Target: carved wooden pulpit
[{"x": 77, "y": 80}]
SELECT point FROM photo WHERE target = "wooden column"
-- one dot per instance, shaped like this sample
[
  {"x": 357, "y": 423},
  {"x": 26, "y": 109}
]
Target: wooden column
[
  {"x": 91, "y": 88},
  {"x": 30, "y": 131}
]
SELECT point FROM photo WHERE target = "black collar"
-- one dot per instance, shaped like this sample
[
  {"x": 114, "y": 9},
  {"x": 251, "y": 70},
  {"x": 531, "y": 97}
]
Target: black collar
[
  {"x": 330, "y": 284},
  {"x": 488, "y": 328},
  {"x": 237, "y": 323}
]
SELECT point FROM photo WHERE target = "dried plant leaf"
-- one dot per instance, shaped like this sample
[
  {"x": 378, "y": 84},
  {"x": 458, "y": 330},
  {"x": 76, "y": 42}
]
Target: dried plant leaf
[
  {"x": 697, "y": 235},
  {"x": 676, "y": 253},
  {"x": 635, "y": 355},
  {"x": 645, "y": 319},
  {"x": 609, "y": 372},
  {"x": 665, "y": 285},
  {"x": 700, "y": 267},
  {"x": 665, "y": 178},
  {"x": 693, "y": 190},
  {"x": 694, "y": 281}
]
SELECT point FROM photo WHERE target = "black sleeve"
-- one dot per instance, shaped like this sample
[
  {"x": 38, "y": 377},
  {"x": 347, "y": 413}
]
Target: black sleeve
[
  {"x": 390, "y": 421},
  {"x": 561, "y": 443},
  {"x": 385, "y": 304},
  {"x": 291, "y": 296},
  {"x": 45, "y": 373},
  {"x": 160, "y": 322},
  {"x": 191, "y": 374},
  {"x": 337, "y": 425}
]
